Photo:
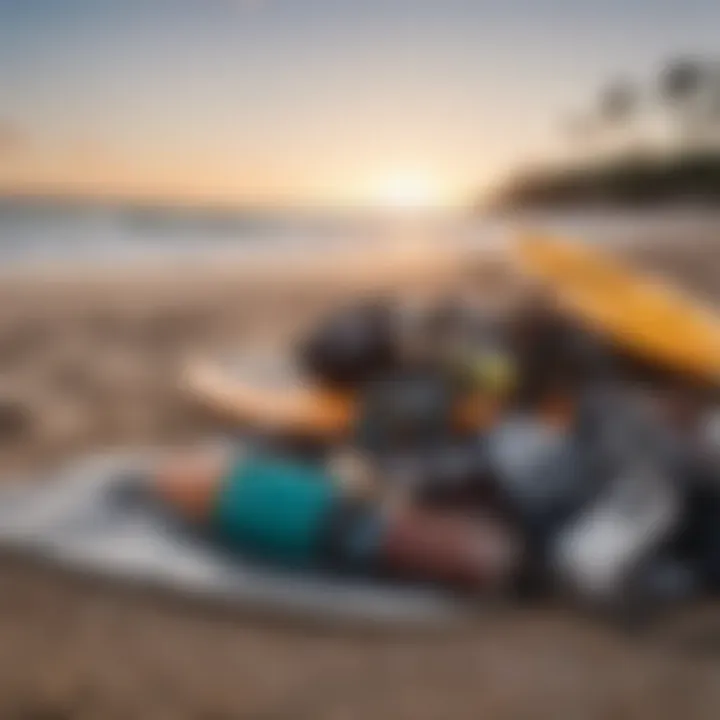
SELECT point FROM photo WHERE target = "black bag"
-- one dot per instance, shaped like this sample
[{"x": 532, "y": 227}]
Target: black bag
[
  {"x": 352, "y": 347},
  {"x": 404, "y": 411}
]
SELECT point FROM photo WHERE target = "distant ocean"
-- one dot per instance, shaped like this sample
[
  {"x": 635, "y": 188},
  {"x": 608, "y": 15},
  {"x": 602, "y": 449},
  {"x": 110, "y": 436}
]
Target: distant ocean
[
  {"x": 74, "y": 233},
  {"x": 61, "y": 233}
]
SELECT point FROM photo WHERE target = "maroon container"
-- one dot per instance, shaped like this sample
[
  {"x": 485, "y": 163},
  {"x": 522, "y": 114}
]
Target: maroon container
[{"x": 469, "y": 553}]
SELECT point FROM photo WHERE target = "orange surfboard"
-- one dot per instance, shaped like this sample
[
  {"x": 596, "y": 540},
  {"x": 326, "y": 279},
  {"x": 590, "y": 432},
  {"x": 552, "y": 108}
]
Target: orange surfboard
[
  {"x": 648, "y": 316},
  {"x": 267, "y": 394},
  {"x": 276, "y": 401}
]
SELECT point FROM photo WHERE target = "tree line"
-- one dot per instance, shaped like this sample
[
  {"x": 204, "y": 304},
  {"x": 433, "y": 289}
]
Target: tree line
[{"x": 652, "y": 141}]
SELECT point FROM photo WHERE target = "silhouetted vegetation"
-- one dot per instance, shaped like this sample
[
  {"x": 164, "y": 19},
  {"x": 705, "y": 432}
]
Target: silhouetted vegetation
[
  {"x": 627, "y": 182},
  {"x": 637, "y": 145}
]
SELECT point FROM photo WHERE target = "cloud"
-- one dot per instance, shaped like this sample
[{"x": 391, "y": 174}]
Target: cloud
[{"x": 13, "y": 139}]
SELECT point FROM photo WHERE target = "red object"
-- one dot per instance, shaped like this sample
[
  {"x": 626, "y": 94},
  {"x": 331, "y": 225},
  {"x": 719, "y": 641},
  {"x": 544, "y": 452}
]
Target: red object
[{"x": 478, "y": 553}]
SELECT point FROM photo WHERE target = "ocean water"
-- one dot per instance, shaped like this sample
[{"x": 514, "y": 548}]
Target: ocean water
[
  {"x": 58, "y": 233},
  {"x": 74, "y": 233}
]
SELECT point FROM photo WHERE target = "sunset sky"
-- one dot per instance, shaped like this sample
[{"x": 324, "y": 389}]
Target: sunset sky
[{"x": 321, "y": 102}]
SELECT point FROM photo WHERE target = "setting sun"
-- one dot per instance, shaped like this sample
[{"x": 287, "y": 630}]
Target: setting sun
[{"x": 409, "y": 191}]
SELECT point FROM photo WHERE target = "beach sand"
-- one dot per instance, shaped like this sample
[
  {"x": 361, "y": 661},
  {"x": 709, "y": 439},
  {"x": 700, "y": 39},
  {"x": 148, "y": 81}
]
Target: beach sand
[{"x": 91, "y": 360}]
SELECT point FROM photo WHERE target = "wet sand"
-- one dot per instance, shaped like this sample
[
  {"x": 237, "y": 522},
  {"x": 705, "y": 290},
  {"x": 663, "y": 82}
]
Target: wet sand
[{"x": 92, "y": 361}]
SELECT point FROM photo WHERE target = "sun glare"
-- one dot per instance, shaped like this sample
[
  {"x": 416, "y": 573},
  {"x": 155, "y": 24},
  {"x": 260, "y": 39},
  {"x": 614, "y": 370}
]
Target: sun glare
[{"x": 408, "y": 191}]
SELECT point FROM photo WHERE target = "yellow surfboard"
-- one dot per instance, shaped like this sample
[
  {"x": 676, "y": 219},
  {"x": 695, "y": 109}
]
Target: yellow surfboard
[{"x": 648, "y": 316}]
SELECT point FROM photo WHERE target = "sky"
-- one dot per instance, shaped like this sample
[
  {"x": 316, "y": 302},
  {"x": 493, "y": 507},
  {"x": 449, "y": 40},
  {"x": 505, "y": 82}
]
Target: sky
[{"x": 316, "y": 102}]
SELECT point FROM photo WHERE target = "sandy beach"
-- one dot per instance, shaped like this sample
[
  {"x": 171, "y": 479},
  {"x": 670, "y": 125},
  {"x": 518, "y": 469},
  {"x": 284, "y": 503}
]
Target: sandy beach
[{"x": 91, "y": 360}]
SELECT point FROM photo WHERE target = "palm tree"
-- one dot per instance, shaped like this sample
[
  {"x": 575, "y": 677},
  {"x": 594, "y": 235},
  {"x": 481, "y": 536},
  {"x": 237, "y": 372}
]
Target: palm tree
[
  {"x": 618, "y": 102},
  {"x": 714, "y": 106},
  {"x": 683, "y": 88},
  {"x": 597, "y": 132},
  {"x": 617, "y": 108}
]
